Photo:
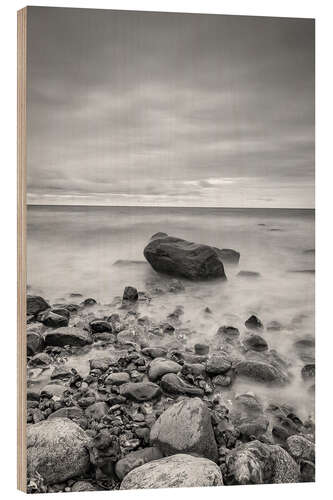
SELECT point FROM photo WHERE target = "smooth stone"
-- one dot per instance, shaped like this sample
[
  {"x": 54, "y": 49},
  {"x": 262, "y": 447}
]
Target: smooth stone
[
  {"x": 261, "y": 372},
  {"x": 256, "y": 343},
  {"x": 61, "y": 372},
  {"x": 35, "y": 343},
  {"x": 154, "y": 352},
  {"x": 140, "y": 391},
  {"x": 56, "y": 450},
  {"x": 160, "y": 366},
  {"x": 195, "y": 369},
  {"x": 68, "y": 336},
  {"x": 301, "y": 448},
  {"x": 228, "y": 255},
  {"x": 117, "y": 378},
  {"x": 36, "y": 304},
  {"x": 40, "y": 359},
  {"x": 55, "y": 388},
  {"x": 172, "y": 384},
  {"x": 100, "y": 364},
  {"x": 274, "y": 326},
  {"x": 201, "y": 349},
  {"x": 185, "y": 427},
  {"x": 71, "y": 412},
  {"x": 222, "y": 380},
  {"x": 254, "y": 323},
  {"x": 81, "y": 486},
  {"x": 218, "y": 364},
  {"x": 88, "y": 302},
  {"x": 53, "y": 320},
  {"x": 174, "y": 472},
  {"x": 136, "y": 459},
  {"x": 253, "y": 426},
  {"x": 100, "y": 326},
  {"x": 130, "y": 294},
  {"x": 97, "y": 410},
  {"x": 308, "y": 371},
  {"x": 167, "y": 254}
]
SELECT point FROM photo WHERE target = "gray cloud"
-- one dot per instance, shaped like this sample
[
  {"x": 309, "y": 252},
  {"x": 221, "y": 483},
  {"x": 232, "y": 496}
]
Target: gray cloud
[{"x": 169, "y": 109}]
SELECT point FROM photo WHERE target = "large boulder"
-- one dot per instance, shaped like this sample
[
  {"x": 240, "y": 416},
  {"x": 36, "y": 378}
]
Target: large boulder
[
  {"x": 176, "y": 471},
  {"x": 136, "y": 459},
  {"x": 68, "y": 336},
  {"x": 185, "y": 427},
  {"x": 36, "y": 304},
  {"x": 167, "y": 254},
  {"x": 56, "y": 450}
]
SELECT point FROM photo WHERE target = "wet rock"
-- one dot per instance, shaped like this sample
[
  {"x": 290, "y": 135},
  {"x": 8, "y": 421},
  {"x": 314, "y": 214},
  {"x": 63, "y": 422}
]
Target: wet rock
[
  {"x": 252, "y": 427},
  {"x": 185, "y": 427},
  {"x": 80, "y": 486},
  {"x": 55, "y": 388},
  {"x": 62, "y": 311},
  {"x": 53, "y": 320},
  {"x": 100, "y": 364},
  {"x": 88, "y": 302},
  {"x": 56, "y": 450},
  {"x": 248, "y": 274},
  {"x": 308, "y": 471},
  {"x": 228, "y": 332},
  {"x": 61, "y": 372},
  {"x": 140, "y": 391},
  {"x": 167, "y": 254},
  {"x": 256, "y": 343},
  {"x": 249, "y": 404},
  {"x": 174, "y": 472},
  {"x": 172, "y": 384},
  {"x": 194, "y": 369},
  {"x": 72, "y": 412},
  {"x": 274, "y": 326},
  {"x": 36, "y": 304},
  {"x": 254, "y": 323},
  {"x": 35, "y": 343},
  {"x": 40, "y": 359},
  {"x": 100, "y": 326},
  {"x": 222, "y": 380},
  {"x": 68, "y": 336},
  {"x": 130, "y": 294},
  {"x": 218, "y": 364},
  {"x": 97, "y": 410},
  {"x": 261, "y": 372},
  {"x": 160, "y": 366},
  {"x": 259, "y": 463},
  {"x": 118, "y": 378},
  {"x": 308, "y": 371},
  {"x": 136, "y": 459},
  {"x": 201, "y": 349},
  {"x": 301, "y": 448},
  {"x": 154, "y": 352}
]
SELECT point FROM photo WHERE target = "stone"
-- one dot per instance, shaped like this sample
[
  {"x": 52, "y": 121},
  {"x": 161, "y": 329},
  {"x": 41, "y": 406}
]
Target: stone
[
  {"x": 130, "y": 294},
  {"x": 274, "y": 326},
  {"x": 308, "y": 371},
  {"x": 117, "y": 378},
  {"x": 55, "y": 388},
  {"x": 218, "y": 364},
  {"x": 88, "y": 302},
  {"x": 154, "y": 352},
  {"x": 253, "y": 323},
  {"x": 249, "y": 274},
  {"x": 136, "y": 459},
  {"x": 100, "y": 326},
  {"x": 174, "y": 472},
  {"x": 222, "y": 380},
  {"x": 301, "y": 448},
  {"x": 62, "y": 311},
  {"x": 160, "y": 366},
  {"x": 252, "y": 426},
  {"x": 261, "y": 372},
  {"x": 195, "y": 369},
  {"x": 256, "y": 343},
  {"x": 61, "y": 372},
  {"x": 36, "y": 304},
  {"x": 97, "y": 410},
  {"x": 40, "y": 359},
  {"x": 53, "y": 320},
  {"x": 185, "y": 427},
  {"x": 228, "y": 255},
  {"x": 228, "y": 332},
  {"x": 172, "y": 384},
  {"x": 140, "y": 391},
  {"x": 35, "y": 343},
  {"x": 68, "y": 336},
  {"x": 170, "y": 255},
  {"x": 56, "y": 450},
  {"x": 100, "y": 364},
  {"x": 201, "y": 349},
  {"x": 80, "y": 486},
  {"x": 71, "y": 412}
]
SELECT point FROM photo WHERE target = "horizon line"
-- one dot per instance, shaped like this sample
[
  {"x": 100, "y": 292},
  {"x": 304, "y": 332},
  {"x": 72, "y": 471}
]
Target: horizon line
[{"x": 163, "y": 206}]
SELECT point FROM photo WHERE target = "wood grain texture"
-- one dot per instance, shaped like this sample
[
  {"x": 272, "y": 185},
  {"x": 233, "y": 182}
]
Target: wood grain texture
[{"x": 21, "y": 248}]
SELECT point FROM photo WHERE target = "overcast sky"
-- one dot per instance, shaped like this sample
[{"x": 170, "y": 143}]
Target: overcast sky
[{"x": 129, "y": 108}]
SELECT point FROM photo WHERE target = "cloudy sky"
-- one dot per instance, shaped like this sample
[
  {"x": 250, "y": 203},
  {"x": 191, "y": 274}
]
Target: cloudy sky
[{"x": 129, "y": 108}]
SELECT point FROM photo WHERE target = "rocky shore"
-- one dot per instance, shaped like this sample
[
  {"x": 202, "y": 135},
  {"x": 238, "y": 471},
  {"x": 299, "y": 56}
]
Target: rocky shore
[{"x": 153, "y": 408}]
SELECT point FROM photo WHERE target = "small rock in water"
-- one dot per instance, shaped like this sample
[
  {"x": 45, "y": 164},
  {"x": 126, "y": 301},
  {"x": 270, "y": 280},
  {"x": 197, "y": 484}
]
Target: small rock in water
[
  {"x": 228, "y": 332},
  {"x": 249, "y": 274},
  {"x": 36, "y": 304},
  {"x": 308, "y": 371},
  {"x": 218, "y": 364},
  {"x": 154, "y": 352},
  {"x": 100, "y": 326},
  {"x": 201, "y": 349},
  {"x": 35, "y": 343},
  {"x": 256, "y": 343},
  {"x": 68, "y": 336},
  {"x": 261, "y": 372},
  {"x": 118, "y": 378},
  {"x": 136, "y": 459},
  {"x": 130, "y": 294},
  {"x": 254, "y": 323},
  {"x": 40, "y": 359},
  {"x": 53, "y": 320},
  {"x": 88, "y": 302},
  {"x": 161, "y": 366}
]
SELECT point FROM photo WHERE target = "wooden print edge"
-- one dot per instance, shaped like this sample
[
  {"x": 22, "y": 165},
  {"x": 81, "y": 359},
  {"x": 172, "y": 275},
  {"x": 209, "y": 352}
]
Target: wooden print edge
[{"x": 21, "y": 248}]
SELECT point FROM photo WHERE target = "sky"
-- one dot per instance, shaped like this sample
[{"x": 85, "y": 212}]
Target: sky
[{"x": 160, "y": 109}]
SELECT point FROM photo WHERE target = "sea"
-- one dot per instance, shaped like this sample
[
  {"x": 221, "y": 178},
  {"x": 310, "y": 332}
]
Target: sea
[{"x": 97, "y": 251}]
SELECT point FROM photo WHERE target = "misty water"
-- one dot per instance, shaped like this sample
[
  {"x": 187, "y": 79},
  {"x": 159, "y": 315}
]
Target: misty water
[{"x": 74, "y": 249}]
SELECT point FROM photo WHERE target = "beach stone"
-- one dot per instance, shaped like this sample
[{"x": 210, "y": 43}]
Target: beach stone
[
  {"x": 222, "y": 380},
  {"x": 136, "y": 459},
  {"x": 71, "y": 412},
  {"x": 201, "y": 349},
  {"x": 249, "y": 274},
  {"x": 97, "y": 410},
  {"x": 218, "y": 364},
  {"x": 117, "y": 378},
  {"x": 100, "y": 326},
  {"x": 254, "y": 323},
  {"x": 167, "y": 254},
  {"x": 35, "y": 343},
  {"x": 259, "y": 463},
  {"x": 301, "y": 448},
  {"x": 249, "y": 404},
  {"x": 261, "y": 372},
  {"x": 140, "y": 391},
  {"x": 308, "y": 371},
  {"x": 88, "y": 302},
  {"x": 256, "y": 343},
  {"x": 195, "y": 369},
  {"x": 185, "y": 427},
  {"x": 40, "y": 359},
  {"x": 57, "y": 450},
  {"x": 100, "y": 364},
  {"x": 173, "y": 384},
  {"x": 54, "y": 320},
  {"x": 229, "y": 332},
  {"x": 81, "y": 486},
  {"x": 253, "y": 426},
  {"x": 178, "y": 471},
  {"x": 68, "y": 336},
  {"x": 57, "y": 389},
  {"x": 61, "y": 372},
  {"x": 130, "y": 294},
  {"x": 36, "y": 304},
  {"x": 62, "y": 311},
  {"x": 154, "y": 352},
  {"x": 160, "y": 366}
]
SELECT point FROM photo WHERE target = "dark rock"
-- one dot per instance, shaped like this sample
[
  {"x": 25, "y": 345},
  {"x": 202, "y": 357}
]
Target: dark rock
[
  {"x": 185, "y": 427},
  {"x": 72, "y": 412},
  {"x": 40, "y": 359},
  {"x": 222, "y": 380},
  {"x": 100, "y": 364},
  {"x": 167, "y": 254},
  {"x": 301, "y": 448},
  {"x": 61, "y": 372},
  {"x": 228, "y": 255},
  {"x": 174, "y": 472},
  {"x": 308, "y": 471},
  {"x": 253, "y": 323},
  {"x": 256, "y": 343},
  {"x": 100, "y": 326},
  {"x": 80, "y": 486},
  {"x": 36, "y": 304},
  {"x": 261, "y": 372},
  {"x": 117, "y": 378},
  {"x": 201, "y": 349},
  {"x": 228, "y": 332},
  {"x": 172, "y": 384},
  {"x": 54, "y": 320},
  {"x": 130, "y": 294},
  {"x": 218, "y": 364},
  {"x": 89, "y": 302},
  {"x": 252, "y": 426},
  {"x": 194, "y": 369},
  {"x": 154, "y": 352},
  {"x": 56, "y": 450},
  {"x": 160, "y": 366},
  {"x": 308, "y": 371},
  {"x": 140, "y": 391},
  {"x": 68, "y": 336},
  {"x": 136, "y": 459},
  {"x": 97, "y": 410},
  {"x": 35, "y": 343},
  {"x": 249, "y": 274},
  {"x": 62, "y": 311}
]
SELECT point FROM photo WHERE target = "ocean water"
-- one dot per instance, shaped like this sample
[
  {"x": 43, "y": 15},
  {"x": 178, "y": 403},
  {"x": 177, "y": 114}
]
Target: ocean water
[{"x": 74, "y": 249}]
